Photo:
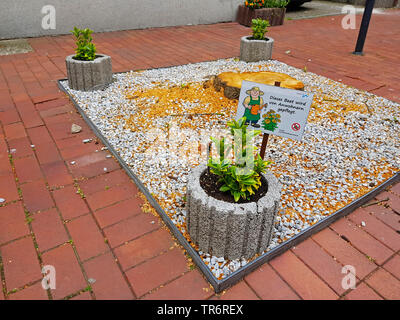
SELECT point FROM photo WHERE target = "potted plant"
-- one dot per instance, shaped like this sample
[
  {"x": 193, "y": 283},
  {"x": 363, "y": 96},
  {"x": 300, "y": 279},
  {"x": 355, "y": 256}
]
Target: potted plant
[
  {"x": 256, "y": 47},
  {"x": 87, "y": 70},
  {"x": 232, "y": 202},
  {"x": 271, "y": 10}
]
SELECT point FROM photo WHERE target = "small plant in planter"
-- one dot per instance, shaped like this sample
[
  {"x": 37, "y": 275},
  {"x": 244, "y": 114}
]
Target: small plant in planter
[
  {"x": 231, "y": 204},
  {"x": 85, "y": 50},
  {"x": 241, "y": 178},
  {"x": 256, "y": 47},
  {"x": 271, "y": 10},
  {"x": 259, "y": 27},
  {"x": 87, "y": 70}
]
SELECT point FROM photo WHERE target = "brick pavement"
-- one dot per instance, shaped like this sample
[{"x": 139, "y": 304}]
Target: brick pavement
[{"x": 89, "y": 224}]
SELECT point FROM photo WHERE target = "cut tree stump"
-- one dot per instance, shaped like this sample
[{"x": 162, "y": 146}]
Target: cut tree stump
[{"x": 231, "y": 82}]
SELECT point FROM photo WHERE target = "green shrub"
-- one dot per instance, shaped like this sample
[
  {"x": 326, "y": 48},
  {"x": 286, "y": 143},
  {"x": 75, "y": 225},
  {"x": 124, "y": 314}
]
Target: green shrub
[
  {"x": 85, "y": 50},
  {"x": 240, "y": 176},
  {"x": 259, "y": 27},
  {"x": 276, "y": 3},
  {"x": 257, "y": 4}
]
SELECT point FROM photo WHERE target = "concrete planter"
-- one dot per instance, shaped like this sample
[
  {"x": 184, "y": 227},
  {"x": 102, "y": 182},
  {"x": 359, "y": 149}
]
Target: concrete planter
[
  {"x": 230, "y": 230},
  {"x": 255, "y": 50},
  {"x": 275, "y": 16},
  {"x": 89, "y": 75}
]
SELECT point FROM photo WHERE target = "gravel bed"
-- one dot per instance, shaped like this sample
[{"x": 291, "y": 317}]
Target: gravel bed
[{"x": 160, "y": 121}]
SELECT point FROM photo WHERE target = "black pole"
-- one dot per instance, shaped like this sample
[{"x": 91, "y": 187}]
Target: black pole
[{"x": 369, "y": 6}]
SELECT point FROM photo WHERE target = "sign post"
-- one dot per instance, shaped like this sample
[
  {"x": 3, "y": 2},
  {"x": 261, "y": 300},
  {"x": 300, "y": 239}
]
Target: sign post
[
  {"x": 266, "y": 135},
  {"x": 274, "y": 110},
  {"x": 369, "y": 6}
]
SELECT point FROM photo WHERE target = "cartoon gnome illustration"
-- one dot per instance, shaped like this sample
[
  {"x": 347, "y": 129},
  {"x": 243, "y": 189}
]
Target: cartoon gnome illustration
[{"x": 253, "y": 105}]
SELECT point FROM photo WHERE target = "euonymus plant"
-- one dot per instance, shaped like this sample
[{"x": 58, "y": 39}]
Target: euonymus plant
[
  {"x": 240, "y": 175},
  {"x": 259, "y": 27},
  {"x": 85, "y": 50}
]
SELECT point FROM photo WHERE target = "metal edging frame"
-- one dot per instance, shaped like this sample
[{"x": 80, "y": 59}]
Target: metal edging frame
[{"x": 220, "y": 285}]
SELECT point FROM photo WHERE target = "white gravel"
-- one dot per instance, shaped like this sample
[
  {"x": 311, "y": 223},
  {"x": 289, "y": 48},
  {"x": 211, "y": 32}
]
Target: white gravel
[{"x": 351, "y": 144}]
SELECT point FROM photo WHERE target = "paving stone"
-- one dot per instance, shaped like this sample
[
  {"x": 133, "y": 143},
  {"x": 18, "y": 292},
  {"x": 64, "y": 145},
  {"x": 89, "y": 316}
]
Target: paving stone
[
  {"x": 93, "y": 170},
  {"x": 22, "y": 147},
  {"x": 36, "y": 196},
  {"x": 376, "y": 228},
  {"x": 39, "y": 135},
  {"x": 110, "y": 283},
  {"x": 323, "y": 264},
  {"x": 113, "y": 195},
  {"x": 144, "y": 248},
  {"x": 33, "y": 292},
  {"x": 47, "y": 152},
  {"x": 362, "y": 240},
  {"x": 27, "y": 169},
  {"x": 104, "y": 181},
  {"x": 15, "y": 131},
  {"x": 87, "y": 238},
  {"x": 305, "y": 282},
  {"x": 20, "y": 262},
  {"x": 190, "y": 286},
  {"x": 12, "y": 222},
  {"x": 49, "y": 229},
  {"x": 120, "y": 211},
  {"x": 269, "y": 285},
  {"x": 69, "y": 202},
  {"x": 385, "y": 283},
  {"x": 157, "y": 271},
  {"x": 8, "y": 188},
  {"x": 386, "y": 215},
  {"x": 362, "y": 292},
  {"x": 131, "y": 228},
  {"x": 82, "y": 296},
  {"x": 344, "y": 252},
  {"x": 393, "y": 266},
  {"x": 69, "y": 276},
  {"x": 394, "y": 200},
  {"x": 57, "y": 174},
  {"x": 240, "y": 291}
]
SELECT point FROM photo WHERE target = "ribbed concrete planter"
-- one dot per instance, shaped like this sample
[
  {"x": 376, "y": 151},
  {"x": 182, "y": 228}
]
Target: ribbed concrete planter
[
  {"x": 89, "y": 75},
  {"x": 275, "y": 16},
  {"x": 255, "y": 50},
  {"x": 230, "y": 230}
]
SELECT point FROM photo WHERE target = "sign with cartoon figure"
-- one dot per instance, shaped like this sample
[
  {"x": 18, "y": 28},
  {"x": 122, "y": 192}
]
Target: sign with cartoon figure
[{"x": 274, "y": 110}]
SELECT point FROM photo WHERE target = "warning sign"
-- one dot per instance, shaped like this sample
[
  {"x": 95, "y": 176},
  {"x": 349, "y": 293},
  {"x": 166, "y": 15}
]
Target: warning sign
[{"x": 274, "y": 110}]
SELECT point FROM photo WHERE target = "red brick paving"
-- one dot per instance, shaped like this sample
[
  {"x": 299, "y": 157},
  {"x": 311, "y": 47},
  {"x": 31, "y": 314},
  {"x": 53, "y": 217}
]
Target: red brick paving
[
  {"x": 363, "y": 292},
  {"x": 33, "y": 292},
  {"x": 48, "y": 229},
  {"x": 157, "y": 271},
  {"x": 112, "y": 240},
  {"x": 20, "y": 263}
]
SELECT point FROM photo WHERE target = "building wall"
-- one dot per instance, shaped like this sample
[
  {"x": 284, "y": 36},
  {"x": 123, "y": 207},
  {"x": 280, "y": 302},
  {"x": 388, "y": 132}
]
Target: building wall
[{"x": 23, "y": 18}]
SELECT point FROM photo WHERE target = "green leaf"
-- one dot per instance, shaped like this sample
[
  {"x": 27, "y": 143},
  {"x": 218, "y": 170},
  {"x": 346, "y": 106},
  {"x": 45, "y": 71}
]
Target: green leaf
[{"x": 224, "y": 188}]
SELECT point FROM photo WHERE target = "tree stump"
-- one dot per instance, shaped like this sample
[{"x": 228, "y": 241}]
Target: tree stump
[{"x": 231, "y": 82}]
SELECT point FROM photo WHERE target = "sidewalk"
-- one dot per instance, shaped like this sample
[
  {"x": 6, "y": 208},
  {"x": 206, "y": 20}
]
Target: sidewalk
[{"x": 72, "y": 217}]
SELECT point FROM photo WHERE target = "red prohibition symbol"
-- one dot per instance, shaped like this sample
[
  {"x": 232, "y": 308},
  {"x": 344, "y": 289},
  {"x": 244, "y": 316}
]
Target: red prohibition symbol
[{"x": 296, "y": 126}]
